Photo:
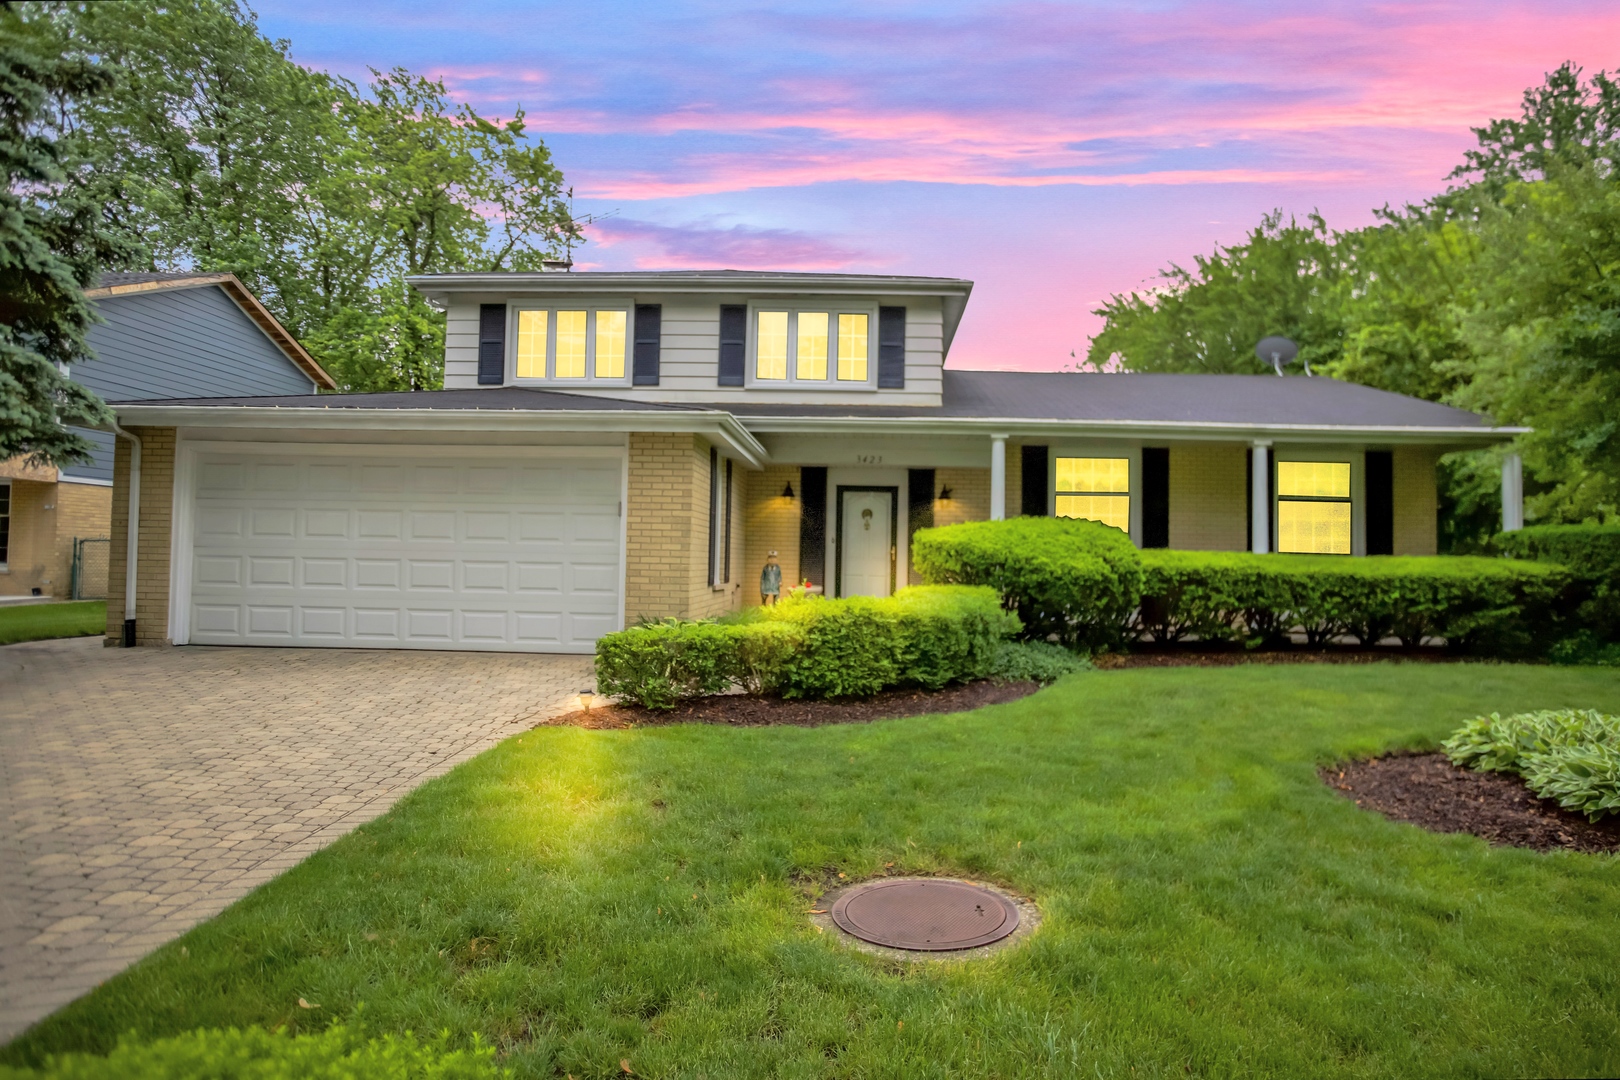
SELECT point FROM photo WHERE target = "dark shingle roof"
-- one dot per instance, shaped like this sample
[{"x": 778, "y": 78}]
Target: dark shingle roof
[{"x": 493, "y": 399}]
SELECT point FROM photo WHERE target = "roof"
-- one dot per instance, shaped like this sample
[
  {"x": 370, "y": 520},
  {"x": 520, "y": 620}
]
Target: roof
[
  {"x": 117, "y": 284},
  {"x": 492, "y": 399}
]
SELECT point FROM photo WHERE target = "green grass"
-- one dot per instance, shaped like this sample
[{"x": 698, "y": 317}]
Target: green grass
[
  {"x": 1210, "y": 907},
  {"x": 35, "y": 622}
]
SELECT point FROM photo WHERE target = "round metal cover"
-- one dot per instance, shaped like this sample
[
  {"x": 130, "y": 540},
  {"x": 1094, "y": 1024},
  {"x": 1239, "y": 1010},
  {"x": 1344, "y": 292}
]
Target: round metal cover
[{"x": 933, "y": 916}]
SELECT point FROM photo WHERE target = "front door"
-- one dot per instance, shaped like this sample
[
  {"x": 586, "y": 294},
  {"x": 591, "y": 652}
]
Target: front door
[{"x": 866, "y": 541}]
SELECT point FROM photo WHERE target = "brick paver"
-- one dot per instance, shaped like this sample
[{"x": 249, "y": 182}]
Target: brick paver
[{"x": 144, "y": 790}]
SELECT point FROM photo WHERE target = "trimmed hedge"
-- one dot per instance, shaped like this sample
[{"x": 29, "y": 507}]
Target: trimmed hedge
[
  {"x": 811, "y": 648},
  {"x": 1476, "y": 604},
  {"x": 1075, "y": 581},
  {"x": 1591, "y": 553}
]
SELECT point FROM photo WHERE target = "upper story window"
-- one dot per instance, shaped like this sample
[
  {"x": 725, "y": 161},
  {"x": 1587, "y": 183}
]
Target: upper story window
[
  {"x": 1313, "y": 507},
  {"x": 584, "y": 342},
  {"x": 821, "y": 345},
  {"x": 1096, "y": 489}
]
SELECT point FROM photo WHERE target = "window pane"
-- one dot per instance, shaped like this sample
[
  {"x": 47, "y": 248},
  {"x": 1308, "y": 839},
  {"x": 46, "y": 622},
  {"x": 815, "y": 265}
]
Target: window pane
[
  {"x": 531, "y": 354},
  {"x": 810, "y": 358},
  {"x": 851, "y": 348},
  {"x": 610, "y": 344},
  {"x": 571, "y": 344},
  {"x": 1320, "y": 527},
  {"x": 770, "y": 346},
  {"x": 1112, "y": 510},
  {"x": 1094, "y": 474},
  {"x": 1313, "y": 479}
]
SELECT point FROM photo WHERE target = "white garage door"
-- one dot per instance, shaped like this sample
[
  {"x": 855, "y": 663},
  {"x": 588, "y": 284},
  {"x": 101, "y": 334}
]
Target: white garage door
[{"x": 405, "y": 552}]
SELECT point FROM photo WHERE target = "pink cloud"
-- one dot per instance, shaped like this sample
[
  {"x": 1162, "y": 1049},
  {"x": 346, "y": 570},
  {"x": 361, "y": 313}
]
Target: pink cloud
[{"x": 735, "y": 247}]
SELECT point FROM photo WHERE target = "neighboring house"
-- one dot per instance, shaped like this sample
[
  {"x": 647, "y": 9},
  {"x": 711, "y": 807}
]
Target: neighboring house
[
  {"x": 163, "y": 336},
  {"x": 618, "y": 446}
]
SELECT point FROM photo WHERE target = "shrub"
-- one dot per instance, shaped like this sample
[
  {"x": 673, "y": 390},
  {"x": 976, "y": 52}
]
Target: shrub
[
  {"x": 1476, "y": 604},
  {"x": 811, "y": 647},
  {"x": 1569, "y": 755},
  {"x": 1591, "y": 553},
  {"x": 338, "y": 1053},
  {"x": 1077, "y": 581},
  {"x": 1035, "y": 661}
]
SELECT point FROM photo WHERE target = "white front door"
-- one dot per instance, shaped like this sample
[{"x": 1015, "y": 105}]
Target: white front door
[{"x": 866, "y": 543}]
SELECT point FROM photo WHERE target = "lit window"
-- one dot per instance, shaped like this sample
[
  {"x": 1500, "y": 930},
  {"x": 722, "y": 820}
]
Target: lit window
[
  {"x": 531, "y": 353},
  {"x": 771, "y": 345},
  {"x": 1095, "y": 489},
  {"x": 852, "y": 348},
  {"x": 571, "y": 344},
  {"x": 811, "y": 361},
  {"x": 610, "y": 344},
  {"x": 1313, "y": 507}
]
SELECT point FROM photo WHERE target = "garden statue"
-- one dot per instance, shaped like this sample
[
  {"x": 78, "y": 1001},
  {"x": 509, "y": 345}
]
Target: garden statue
[{"x": 770, "y": 580}]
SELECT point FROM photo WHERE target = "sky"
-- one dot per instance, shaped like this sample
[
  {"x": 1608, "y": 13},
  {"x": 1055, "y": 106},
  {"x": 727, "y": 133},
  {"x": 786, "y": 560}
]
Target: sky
[{"x": 1053, "y": 153}]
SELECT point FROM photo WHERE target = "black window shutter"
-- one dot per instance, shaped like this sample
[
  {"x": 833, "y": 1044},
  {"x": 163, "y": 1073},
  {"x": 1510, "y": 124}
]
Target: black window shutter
[
  {"x": 892, "y": 348},
  {"x": 649, "y": 341},
  {"x": 726, "y": 576},
  {"x": 813, "y": 524},
  {"x": 714, "y": 505},
  {"x": 733, "y": 343},
  {"x": 1035, "y": 481},
  {"x": 491, "y": 344},
  {"x": 919, "y": 508},
  {"x": 1155, "y": 496},
  {"x": 1380, "y": 482}
]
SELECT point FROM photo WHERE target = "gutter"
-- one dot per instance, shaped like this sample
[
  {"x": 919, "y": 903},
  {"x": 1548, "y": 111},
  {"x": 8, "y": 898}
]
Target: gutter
[{"x": 130, "y": 562}]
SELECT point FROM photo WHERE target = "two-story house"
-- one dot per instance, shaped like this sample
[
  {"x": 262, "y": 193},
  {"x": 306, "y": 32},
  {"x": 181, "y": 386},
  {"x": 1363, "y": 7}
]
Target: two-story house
[
  {"x": 617, "y": 446},
  {"x": 160, "y": 336}
]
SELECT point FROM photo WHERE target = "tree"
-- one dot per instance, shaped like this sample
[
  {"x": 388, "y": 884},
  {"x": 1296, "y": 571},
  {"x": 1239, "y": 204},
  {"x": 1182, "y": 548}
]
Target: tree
[{"x": 50, "y": 246}]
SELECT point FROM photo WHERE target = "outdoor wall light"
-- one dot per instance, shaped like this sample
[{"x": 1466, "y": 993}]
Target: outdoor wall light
[
  {"x": 945, "y": 493},
  {"x": 787, "y": 490}
]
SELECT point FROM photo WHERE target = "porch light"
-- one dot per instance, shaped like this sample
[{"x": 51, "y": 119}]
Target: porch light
[
  {"x": 945, "y": 493},
  {"x": 787, "y": 490}
]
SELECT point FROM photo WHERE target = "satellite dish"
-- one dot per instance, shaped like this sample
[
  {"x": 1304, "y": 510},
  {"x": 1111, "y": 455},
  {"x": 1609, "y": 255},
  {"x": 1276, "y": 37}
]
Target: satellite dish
[{"x": 1278, "y": 351}]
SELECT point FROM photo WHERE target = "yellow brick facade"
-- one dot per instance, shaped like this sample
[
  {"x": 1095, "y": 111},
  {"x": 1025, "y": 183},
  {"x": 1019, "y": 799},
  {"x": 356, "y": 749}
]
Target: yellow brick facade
[
  {"x": 970, "y": 495},
  {"x": 771, "y": 523},
  {"x": 667, "y": 531},
  {"x": 29, "y": 553},
  {"x": 1416, "y": 501},
  {"x": 1209, "y": 509},
  {"x": 83, "y": 511},
  {"x": 152, "y": 552}
]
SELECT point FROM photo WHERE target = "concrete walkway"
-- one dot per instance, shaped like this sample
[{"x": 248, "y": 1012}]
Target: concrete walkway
[{"x": 144, "y": 790}]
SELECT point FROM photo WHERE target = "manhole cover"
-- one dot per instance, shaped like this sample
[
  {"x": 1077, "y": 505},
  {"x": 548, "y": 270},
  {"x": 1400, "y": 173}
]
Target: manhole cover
[{"x": 933, "y": 916}]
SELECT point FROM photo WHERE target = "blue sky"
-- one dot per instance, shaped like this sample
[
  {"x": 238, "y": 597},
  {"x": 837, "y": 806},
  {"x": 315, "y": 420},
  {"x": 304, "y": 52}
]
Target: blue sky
[{"x": 1055, "y": 153}]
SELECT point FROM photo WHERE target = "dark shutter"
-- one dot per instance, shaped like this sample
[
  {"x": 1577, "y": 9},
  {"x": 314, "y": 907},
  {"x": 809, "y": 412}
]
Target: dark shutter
[
  {"x": 1035, "y": 482},
  {"x": 727, "y": 559},
  {"x": 1380, "y": 480},
  {"x": 919, "y": 509},
  {"x": 733, "y": 343},
  {"x": 813, "y": 524},
  {"x": 1155, "y": 496},
  {"x": 714, "y": 506},
  {"x": 491, "y": 344},
  {"x": 891, "y": 348},
  {"x": 649, "y": 340}
]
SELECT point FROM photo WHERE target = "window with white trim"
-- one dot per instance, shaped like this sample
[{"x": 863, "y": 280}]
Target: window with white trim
[
  {"x": 572, "y": 343},
  {"x": 1313, "y": 507},
  {"x": 826, "y": 345},
  {"x": 1095, "y": 489},
  {"x": 5, "y": 522}
]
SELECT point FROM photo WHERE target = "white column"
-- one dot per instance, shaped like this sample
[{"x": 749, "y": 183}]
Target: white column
[
  {"x": 998, "y": 478},
  {"x": 1512, "y": 493},
  {"x": 1260, "y": 502}
]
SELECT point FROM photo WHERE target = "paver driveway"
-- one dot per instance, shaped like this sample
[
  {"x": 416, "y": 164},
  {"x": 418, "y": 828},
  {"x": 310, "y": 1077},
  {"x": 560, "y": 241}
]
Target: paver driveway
[{"x": 143, "y": 790}]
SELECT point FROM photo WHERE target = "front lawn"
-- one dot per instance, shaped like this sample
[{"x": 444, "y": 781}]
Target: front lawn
[
  {"x": 34, "y": 622},
  {"x": 1209, "y": 906}
]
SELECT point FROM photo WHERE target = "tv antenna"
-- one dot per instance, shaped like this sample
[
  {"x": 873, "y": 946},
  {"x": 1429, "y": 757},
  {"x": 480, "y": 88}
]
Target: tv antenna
[
  {"x": 570, "y": 235},
  {"x": 1279, "y": 352}
]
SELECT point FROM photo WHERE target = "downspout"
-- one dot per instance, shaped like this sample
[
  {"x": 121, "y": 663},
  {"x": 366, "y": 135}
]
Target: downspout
[{"x": 134, "y": 531}]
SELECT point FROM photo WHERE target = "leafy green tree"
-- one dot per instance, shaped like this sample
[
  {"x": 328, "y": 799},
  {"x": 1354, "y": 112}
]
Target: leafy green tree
[{"x": 50, "y": 246}]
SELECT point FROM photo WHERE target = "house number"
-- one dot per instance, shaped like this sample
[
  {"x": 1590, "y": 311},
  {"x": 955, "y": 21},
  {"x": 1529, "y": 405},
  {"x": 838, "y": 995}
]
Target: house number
[{"x": 868, "y": 459}]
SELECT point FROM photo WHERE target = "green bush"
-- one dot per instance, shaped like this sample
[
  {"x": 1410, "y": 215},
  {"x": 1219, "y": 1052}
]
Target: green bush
[
  {"x": 1591, "y": 553},
  {"x": 1476, "y": 604},
  {"x": 1035, "y": 661},
  {"x": 1570, "y": 755},
  {"x": 811, "y": 648},
  {"x": 1075, "y": 581},
  {"x": 338, "y": 1053}
]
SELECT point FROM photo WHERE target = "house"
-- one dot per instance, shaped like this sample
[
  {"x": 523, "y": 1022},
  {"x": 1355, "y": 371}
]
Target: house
[
  {"x": 162, "y": 336},
  {"x": 617, "y": 446}
]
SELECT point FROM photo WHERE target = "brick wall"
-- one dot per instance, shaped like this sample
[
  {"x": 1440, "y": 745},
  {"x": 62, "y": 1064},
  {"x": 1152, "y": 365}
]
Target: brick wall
[
  {"x": 771, "y": 523},
  {"x": 1416, "y": 501},
  {"x": 82, "y": 510},
  {"x": 33, "y": 525},
  {"x": 970, "y": 494},
  {"x": 667, "y": 531},
  {"x": 1209, "y": 509},
  {"x": 152, "y": 553}
]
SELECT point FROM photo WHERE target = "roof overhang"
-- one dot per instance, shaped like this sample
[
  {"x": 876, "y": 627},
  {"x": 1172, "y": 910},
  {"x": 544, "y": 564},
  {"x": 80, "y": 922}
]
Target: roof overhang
[
  {"x": 244, "y": 299},
  {"x": 716, "y": 425},
  {"x": 952, "y": 293}
]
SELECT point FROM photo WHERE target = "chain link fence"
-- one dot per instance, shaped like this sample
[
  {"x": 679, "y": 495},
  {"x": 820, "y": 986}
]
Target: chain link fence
[{"x": 90, "y": 558}]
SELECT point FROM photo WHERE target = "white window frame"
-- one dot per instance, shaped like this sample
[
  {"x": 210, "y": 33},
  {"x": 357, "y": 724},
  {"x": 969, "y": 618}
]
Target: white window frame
[
  {"x": 550, "y": 378},
  {"x": 1356, "y": 456},
  {"x": 5, "y": 554},
  {"x": 833, "y": 308},
  {"x": 1132, "y": 451}
]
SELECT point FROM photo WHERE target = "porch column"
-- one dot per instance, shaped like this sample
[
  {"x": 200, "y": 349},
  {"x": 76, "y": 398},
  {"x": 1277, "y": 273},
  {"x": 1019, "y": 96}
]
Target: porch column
[
  {"x": 1512, "y": 493},
  {"x": 998, "y": 478},
  {"x": 1260, "y": 497}
]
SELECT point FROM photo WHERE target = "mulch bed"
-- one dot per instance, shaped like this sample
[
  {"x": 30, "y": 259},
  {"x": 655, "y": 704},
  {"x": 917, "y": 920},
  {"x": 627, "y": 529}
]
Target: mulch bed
[
  {"x": 1429, "y": 791},
  {"x": 1182, "y": 656},
  {"x": 748, "y": 710}
]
